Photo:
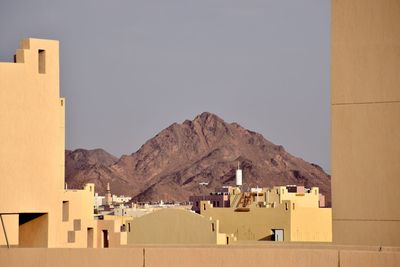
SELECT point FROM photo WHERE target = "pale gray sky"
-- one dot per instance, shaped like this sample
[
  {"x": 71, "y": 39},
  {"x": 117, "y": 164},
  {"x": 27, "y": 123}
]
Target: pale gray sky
[{"x": 130, "y": 68}]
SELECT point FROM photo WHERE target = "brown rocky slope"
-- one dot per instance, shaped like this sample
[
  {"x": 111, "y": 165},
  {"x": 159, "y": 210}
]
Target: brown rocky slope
[{"x": 171, "y": 165}]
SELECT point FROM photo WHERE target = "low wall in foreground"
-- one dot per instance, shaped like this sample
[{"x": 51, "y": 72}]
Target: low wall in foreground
[{"x": 193, "y": 256}]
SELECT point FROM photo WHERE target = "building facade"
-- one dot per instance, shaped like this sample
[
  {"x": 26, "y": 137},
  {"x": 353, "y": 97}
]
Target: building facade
[
  {"x": 175, "y": 226},
  {"x": 281, "y": 213},
  {"x": 365, "y": 108},
  {"x": 35, "y": 208}
]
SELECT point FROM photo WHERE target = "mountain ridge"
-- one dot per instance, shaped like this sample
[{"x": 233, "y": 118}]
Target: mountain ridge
[{"x": 172, "y": 164}]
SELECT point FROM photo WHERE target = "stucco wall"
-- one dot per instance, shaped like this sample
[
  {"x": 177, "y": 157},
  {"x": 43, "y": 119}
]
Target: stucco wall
[
  {"x": 32, "y": 133},
  {"x": 174, "y": 226},
  {"x": 311, "y": 225},
  {"x": 288, "y": 256},
  {"x": 365, "y": 121},
  {"x": 255, "y": 224}
]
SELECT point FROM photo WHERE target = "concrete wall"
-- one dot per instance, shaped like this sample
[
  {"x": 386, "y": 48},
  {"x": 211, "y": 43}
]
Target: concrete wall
[
  {"x": 11, "y": 224},
  {"x": 288, "y": 256},
  {"x": 365, "y": 121},
  {"x": 174, "y": 226}
]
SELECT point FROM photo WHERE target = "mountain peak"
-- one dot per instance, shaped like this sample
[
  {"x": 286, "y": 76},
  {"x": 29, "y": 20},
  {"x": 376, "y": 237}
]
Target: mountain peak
[
  {"x": 207, "y": 117},
  {"x": 173, "y": 164}
]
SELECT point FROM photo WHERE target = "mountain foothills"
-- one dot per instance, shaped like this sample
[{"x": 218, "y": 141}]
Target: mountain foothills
[{"x": 171, "y": 165}]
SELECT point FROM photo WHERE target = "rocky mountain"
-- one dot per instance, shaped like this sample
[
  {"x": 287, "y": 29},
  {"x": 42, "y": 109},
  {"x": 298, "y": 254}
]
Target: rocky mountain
[{"x": 171, "y": 165}]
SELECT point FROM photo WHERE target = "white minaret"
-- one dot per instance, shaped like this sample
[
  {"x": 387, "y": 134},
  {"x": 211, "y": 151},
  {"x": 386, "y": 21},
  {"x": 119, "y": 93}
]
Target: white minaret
[
  {"x": 238, "y": 176},
  {"x": 108, "y": 195}
]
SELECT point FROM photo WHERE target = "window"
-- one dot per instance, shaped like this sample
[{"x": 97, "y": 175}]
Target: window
[
  {"x": 71, "y": 236},
  {"x": 42, "y": 61},
  {"x": 65, "y": 211},
  {"x": 212, "y": 227},
  {"x": 77, "y": 224},
  {"x": 278, "y": 235},
  {"x": 90, "y": 237}
]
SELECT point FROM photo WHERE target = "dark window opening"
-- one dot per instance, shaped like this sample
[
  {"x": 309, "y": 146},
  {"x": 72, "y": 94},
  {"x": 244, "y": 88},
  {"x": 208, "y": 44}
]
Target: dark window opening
[
  {"x": 65, "y": 211},
  {"x": 105, "y": 238},
  {"x": 42, "y": 61},
  {"x": 71, "y": 236}
]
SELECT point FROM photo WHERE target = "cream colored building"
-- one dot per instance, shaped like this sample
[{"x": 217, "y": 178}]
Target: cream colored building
[
  {"x": 35, "y": 209},
  {"x": 32, "y": 145},
  {"x": 296, "y": 194},
  {"x": 273, "y": 214}
]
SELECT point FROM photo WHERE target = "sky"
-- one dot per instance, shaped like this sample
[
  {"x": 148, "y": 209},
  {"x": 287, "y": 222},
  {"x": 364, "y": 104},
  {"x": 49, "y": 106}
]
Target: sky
[{"x": 131, "y": 68}]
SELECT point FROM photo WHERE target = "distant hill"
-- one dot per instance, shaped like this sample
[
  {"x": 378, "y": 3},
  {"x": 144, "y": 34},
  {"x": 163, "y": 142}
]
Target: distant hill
[{"x": 171, "y": 165}]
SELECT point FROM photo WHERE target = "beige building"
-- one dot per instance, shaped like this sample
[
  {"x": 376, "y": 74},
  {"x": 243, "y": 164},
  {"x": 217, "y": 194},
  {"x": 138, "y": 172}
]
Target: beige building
[
  {"x": 299, "y": 195},
  {"x": 32, "y": 145},
  {"x": 365, "y": 96},
  {"x": 274, "y": 214},
  {"x": 35, "y": 209}
]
